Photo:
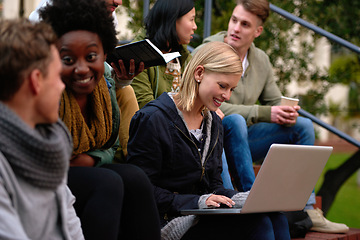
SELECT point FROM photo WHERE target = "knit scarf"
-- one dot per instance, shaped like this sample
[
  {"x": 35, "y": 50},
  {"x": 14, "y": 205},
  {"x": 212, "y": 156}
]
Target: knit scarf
[
  {"x": 91, "y": 136},
  {"x": 39, "y": 155}
]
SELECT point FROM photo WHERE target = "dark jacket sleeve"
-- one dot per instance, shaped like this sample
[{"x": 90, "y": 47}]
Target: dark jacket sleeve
[{"x": 147, "y": 148}]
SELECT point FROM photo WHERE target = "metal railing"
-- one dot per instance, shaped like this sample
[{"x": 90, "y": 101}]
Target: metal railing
[
  {"x": 333, "y": 38},
  {"x": 314, "y": 28},
  {"x": 330, "y": 128}
]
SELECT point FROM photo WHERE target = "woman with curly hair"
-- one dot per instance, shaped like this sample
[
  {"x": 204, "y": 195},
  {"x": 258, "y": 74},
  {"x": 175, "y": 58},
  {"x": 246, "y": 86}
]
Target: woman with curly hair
[
  {"x": 112, "y": 200},
  {"x": 123, "y": 77}
]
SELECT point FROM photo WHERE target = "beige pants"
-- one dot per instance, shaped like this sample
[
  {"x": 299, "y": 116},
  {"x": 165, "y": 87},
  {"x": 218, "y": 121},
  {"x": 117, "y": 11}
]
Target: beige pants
[{"x": 128, "y": 106}]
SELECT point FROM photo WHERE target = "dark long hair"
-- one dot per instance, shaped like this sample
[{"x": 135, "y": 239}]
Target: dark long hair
[{"x": 160, "y": 24}]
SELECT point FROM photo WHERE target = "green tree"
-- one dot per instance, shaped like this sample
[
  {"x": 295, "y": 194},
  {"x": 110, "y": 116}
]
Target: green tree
[
  {"x": 336, "y": 16},
  {"x": 346, "y": 70},
  {"x": 339, "y": 18},
  {"x": 290, "y": 64}
]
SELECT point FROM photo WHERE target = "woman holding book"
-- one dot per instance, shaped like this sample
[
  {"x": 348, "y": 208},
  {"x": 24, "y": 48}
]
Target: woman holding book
[
  {"x": 169, "y": 25},
  {"x": 112, "y": 200},
  {"x": 177, "y": 140}
]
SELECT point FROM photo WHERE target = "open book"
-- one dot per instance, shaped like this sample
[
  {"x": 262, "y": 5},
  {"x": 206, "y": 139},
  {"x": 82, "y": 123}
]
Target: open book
[{"x": 141, "y": 51}]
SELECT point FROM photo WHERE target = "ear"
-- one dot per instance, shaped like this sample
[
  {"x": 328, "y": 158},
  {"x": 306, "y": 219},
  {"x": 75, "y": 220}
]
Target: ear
[
  {"x": 199, "y": 73},
  {"x": 258, "y": 31},
  {"x": 35, "y": 81}
]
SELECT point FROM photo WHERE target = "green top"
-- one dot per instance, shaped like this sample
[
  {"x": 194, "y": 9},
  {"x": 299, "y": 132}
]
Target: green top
[{"x": 152, "y": 82}]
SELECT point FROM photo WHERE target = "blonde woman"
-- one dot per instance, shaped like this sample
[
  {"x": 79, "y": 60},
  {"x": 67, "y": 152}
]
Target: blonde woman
[{"x": 177, "y": 140}]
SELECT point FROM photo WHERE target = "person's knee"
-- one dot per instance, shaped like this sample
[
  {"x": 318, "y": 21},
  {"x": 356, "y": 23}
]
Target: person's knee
[
  {"x": 96, "y": 183},
  {"x": 305, "y": 123},
  {"x": 306, "y": 126},
  {"x": 234, "y": 119},
  {"x": 235, "y": 122},
  {"x": 110, "y": 182},
  {"x": 260, "y": 227},
  {"x": 280, "y": 225},
  {"x": 94, "y": 177},
  {"x": 134, "y": 177},
  {"x": 279, "y": 218}
]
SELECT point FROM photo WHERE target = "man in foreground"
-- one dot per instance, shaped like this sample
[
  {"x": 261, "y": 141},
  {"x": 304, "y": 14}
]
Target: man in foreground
[{"x": 35, "y": 147}]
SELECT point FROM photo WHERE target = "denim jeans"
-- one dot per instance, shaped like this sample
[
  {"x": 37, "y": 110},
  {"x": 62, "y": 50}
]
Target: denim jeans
[{"x": 244, "y": 145}]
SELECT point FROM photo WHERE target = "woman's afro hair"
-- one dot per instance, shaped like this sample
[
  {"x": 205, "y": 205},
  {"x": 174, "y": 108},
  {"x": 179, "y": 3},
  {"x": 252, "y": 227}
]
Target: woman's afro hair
[{"x": 90, "y": 15}]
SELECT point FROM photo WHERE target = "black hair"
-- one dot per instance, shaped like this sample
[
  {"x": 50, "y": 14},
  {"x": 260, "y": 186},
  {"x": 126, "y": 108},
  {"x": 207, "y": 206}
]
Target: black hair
[
  {"x": 160, "y": 24},
  {"x": 90, "y": 15}
]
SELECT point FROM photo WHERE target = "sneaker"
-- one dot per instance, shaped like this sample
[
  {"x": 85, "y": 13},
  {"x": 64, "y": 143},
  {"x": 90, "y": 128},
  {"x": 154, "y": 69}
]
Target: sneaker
[{"x": 321, "y": 224}]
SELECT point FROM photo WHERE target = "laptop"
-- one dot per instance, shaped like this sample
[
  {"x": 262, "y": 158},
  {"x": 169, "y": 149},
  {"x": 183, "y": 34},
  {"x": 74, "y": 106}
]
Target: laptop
[{"x": 284, "y": 182}]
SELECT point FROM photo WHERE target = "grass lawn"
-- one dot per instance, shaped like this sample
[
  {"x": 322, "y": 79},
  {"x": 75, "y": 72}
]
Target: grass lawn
[{"x": 346, "y": 207}]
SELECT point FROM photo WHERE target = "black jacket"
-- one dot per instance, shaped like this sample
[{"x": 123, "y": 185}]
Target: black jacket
[{"x": 161, "y": 145}]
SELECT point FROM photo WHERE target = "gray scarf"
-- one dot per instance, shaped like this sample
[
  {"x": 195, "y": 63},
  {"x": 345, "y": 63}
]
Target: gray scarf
[{"x": 41, "y": 155}]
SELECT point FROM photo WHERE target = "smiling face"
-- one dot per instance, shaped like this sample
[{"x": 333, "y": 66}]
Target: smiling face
[
  {"x": 243, "y": 28},
  {"x": 83, "y": 57},
  {"x": 185, "y": 27},
  {"x": 215, "y": 88}
]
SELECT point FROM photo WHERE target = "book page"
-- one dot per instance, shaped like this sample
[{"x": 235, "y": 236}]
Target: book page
[
  {"x": 170, "y": 56},
  {"x": 140, "y": 51},
  {"x": 154, "y": 47},
  {"x": 167, "y": 56}
]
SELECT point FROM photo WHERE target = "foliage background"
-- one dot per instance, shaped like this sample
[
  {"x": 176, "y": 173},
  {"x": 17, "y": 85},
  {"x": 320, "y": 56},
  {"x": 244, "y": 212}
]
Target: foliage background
[
  {"x": 279, "y": 37},
  {"x": 345, "y": 208}
]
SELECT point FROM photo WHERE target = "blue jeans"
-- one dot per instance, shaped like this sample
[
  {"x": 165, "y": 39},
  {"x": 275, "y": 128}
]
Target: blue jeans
[{"x": 244, "y": 145}]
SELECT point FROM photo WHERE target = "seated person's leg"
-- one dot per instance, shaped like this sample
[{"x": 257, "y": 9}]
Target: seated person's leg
[
  {"x": 225, "y": 175},
  {"x": 311, "y": 201},
  {"x": 262, "y": 135},
  {"x": 280, "y": 225},
  {"x": 237, "y": 151},
  {"x": 140, "y": 215},
  {"x": 99, "y": 199},
  {"x": 305, "y": 131}
]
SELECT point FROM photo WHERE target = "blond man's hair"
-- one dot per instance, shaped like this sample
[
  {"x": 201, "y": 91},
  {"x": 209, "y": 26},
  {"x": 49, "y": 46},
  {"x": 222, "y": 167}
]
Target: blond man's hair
[
  {"x": 215, "y": 57},
  {"x": 24, "y": 46},
  {"x": 260, "y": 8}
]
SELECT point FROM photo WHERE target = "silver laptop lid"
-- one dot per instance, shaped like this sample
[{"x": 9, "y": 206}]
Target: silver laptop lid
[{"x": 286, "y": 178}]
